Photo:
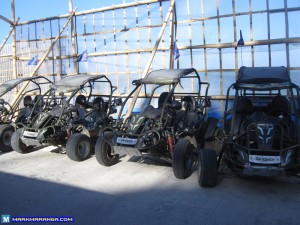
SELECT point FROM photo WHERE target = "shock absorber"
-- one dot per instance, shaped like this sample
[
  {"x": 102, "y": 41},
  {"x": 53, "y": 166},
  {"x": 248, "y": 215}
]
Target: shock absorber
[{"x": 171, "y": 142}]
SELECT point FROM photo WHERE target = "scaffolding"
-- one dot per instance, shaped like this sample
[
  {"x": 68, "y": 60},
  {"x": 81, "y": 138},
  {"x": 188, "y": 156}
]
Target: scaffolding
[{"x": 120, "y": 39}]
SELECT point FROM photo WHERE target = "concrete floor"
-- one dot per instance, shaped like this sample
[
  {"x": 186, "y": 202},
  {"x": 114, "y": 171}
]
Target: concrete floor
[{"x": 45, "y": 183}]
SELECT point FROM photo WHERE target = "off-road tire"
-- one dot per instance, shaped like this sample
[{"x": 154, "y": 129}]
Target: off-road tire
[
  {"x": 18, "y": 146},
  {"x": 207, "y": 168},
  {"x": 78, "y": 147},
  {"x": 6, "y": 131},
  {"x": 103, "y": 151},
  {"x": 183, "y": 159}
]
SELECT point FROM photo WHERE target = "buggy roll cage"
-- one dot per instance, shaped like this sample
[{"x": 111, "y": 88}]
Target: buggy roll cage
[
  {"x": 241, "y": 89},
  {"x": 35, "y": 80},
  {"x": 88, "y": 83},
  {"x": 172, "y": 81}
]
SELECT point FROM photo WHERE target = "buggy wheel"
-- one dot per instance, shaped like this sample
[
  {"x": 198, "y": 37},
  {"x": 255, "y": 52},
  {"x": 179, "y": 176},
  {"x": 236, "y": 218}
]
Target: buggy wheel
[
  {"x": 103, "y": 151},
  {"x": 207, "y": 168},
  {"x": 18, "y": 146},
  {"x": 6, "y": 131},
  {"x": 78, "y": 147},
  {"x": 183, "y": 159}
]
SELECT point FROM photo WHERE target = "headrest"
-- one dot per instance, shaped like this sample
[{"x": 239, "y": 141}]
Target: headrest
[
  {"x": 27, "y": 101},
  {"x": 189, "y": 102},
  {"x": 98, "y": 103},
  {"x": 244, "y": 104},
  {"x": 81, "y": 100},
  {"x": 39, "y": 99},
  {"x": 162, "y": 99},
  {"x": 280, "y": 102}
]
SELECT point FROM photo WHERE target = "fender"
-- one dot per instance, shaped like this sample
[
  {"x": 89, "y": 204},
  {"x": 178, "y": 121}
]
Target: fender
[{"x": 212, "y": 124}]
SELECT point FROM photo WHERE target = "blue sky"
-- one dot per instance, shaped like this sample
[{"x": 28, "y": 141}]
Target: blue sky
[{"x": 34, "y": 9}]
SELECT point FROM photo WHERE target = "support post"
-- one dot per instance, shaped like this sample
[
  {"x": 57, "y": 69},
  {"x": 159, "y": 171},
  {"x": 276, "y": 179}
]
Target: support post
[
  {"x": 73, "y": 37},
  {"x": 171, "y": 64},
  {"x": 14, "y": 46}
]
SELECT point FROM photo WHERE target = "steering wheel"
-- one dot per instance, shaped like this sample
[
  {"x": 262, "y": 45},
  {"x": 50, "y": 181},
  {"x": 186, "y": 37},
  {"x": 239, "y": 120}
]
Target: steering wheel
[
  {"x": 3, "y": 109},
  {"x": 283, "y": 115}
]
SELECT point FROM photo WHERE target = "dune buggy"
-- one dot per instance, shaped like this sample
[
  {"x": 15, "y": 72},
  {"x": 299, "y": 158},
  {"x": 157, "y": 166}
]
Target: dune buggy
[
  {"x": 10, "y": 111},
  {"x": 261, "y": 131},
  {"x": 74, "y": 127},
  {"x": 171, "y": 131}
]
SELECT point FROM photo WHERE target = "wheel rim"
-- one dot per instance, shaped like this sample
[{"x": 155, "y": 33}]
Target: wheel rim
[
  {"x": 7, "y": 137},
  {"x": 189, "y": 161},
  {"x": 108, "y": 152},
  {"x": 83, "y": 149}
]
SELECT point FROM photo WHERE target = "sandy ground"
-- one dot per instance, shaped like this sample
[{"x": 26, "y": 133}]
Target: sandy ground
[{"x": 45, "y": 183}]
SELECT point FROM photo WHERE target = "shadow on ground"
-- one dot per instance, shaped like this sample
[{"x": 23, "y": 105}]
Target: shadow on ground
[{"x": 234, "y": 201}]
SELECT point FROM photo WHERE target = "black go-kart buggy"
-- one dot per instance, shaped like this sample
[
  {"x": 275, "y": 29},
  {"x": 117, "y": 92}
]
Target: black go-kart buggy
[
  {"x": 73, "y": 127},
  {"x": 260, "y": 129},
  {"x": 170, "y": 131},
  {"x": 15, "y": 106}
]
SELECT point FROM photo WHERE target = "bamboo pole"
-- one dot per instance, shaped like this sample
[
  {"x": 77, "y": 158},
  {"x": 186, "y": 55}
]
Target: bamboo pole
[
  {"x": 44, "y": 57},
  {"x": 235, "y": 38},
  {"x": 73, "y": 38},
  {"x": 251, "y": 32},
  {"x": 138, "y": 40},
  {"x": 109, "y": 8},
  {"x": 204, "y": 40},
  {"x": 287, "y": 34},
  {"x": 7, "y": 20},
  {"x": 220, "y": 58},
  {"x": 146, "y": 70},
  {"x": 219, "y": 46},
  {"x": 7, "y": 37},
  {"x": 171, "y": 63},
  {"x": 269, "y": 33},
  {"x": 14, "y": 47},
  {"x": 155, "y": 1}
]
